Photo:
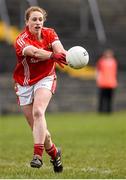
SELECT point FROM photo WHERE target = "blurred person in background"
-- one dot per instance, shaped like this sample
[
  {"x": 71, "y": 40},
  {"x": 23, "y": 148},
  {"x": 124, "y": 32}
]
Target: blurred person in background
[
  {"x": 106, "y": 80},
  {"x": 38, "y": 49}
]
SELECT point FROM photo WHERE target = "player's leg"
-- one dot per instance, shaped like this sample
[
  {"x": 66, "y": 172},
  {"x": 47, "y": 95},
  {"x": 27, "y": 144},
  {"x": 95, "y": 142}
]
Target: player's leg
[
  {"x": 50, "y": 146},
  {"x": 53, "y": 152},
  {"x": 41, "y": 100},
  {"x": 27, "y": 110},
  {"x": 25, "y": 100}
]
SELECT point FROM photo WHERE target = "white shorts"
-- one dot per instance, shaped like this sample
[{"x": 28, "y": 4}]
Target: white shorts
[{"x": 25, "y": 94}]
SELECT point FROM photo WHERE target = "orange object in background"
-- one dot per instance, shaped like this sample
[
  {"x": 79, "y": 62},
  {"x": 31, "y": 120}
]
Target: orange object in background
[
  {"x": 107, "y": 70},
  {"x": 106, "y": 81}
]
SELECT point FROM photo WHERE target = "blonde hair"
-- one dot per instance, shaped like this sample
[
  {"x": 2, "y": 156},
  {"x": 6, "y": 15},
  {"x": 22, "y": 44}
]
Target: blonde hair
[{"x": 35, "y": 8}]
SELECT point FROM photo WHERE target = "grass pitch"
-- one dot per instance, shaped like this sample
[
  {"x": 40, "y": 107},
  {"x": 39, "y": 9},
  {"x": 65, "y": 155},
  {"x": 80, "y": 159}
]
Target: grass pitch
[{"x": 93, "y": 146}]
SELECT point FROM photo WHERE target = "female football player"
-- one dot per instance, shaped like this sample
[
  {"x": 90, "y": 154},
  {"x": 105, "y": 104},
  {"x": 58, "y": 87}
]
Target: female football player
[{"x": 38, "y": 49}]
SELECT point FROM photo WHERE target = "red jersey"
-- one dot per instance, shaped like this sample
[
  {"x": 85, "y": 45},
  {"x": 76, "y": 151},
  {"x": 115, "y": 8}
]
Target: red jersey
[{"x": 28, "y": 70}]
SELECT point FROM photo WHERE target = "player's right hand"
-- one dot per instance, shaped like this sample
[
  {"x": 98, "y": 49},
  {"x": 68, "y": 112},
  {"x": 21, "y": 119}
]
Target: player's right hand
[{"x": 60, "y": 58}]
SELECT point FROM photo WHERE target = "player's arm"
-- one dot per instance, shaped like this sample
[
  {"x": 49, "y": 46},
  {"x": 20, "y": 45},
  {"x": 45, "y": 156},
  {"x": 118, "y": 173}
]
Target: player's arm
[
  {"x": 33, "y": 51},
  {"x": 57, "y": 55},
  {"x": 58, "y": 47}
]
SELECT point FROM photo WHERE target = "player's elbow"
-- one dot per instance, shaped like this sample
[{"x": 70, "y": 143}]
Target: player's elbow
[
  {"x": 30, "y": 51},
  {"x": 36, "y": 54}
]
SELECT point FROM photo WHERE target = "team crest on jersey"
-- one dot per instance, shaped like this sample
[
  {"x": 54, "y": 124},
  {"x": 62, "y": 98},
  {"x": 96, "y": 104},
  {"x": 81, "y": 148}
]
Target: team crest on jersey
[{"x": 49, "y": 46}]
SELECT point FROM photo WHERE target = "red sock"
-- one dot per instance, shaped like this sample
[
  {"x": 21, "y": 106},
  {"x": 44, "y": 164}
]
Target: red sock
[
  {"x": 52, "y": 151},
  {"x": 38, "y": 149}
]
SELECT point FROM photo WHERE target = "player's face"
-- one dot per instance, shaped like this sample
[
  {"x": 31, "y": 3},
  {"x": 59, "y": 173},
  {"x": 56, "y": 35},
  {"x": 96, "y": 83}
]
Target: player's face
[{"x": 35, "y": 22}]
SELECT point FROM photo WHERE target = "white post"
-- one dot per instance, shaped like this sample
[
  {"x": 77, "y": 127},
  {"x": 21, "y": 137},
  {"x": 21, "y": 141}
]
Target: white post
[{"x": 97, "y": 21}]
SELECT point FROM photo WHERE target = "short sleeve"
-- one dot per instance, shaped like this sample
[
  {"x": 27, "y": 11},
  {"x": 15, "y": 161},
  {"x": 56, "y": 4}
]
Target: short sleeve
[
  {"x": 53, "y": 36},
  {"x": 20, "y": 44}
]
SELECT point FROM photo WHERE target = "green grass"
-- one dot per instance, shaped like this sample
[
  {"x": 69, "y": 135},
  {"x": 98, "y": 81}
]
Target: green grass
[{"x": 93, "y": 146}]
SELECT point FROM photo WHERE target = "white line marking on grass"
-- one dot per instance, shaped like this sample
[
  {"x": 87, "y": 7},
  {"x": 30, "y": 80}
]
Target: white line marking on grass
[
  {"x": 86, "y": 170},
  {"x": 97, "y": 170},
  {"x": 90, "y": 169}
]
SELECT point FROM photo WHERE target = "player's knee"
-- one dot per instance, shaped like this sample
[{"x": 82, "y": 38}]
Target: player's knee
[{"x": 37, "y": 113}]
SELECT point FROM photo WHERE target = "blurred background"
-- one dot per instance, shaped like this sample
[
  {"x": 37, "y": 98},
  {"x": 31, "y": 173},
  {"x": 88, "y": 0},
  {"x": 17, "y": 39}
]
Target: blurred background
[{"x": 93, "y": 24}]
